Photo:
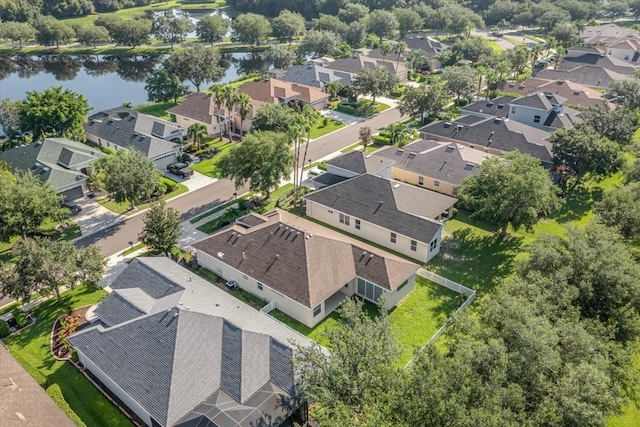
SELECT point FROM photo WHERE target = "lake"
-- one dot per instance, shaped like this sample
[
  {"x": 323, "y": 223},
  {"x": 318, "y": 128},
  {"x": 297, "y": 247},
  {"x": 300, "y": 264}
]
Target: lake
[{"x": 106, "y": 81}]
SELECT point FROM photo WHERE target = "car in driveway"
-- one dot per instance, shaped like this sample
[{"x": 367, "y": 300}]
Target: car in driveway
[
  {"x": 72, "y": 206},
  {"x": 180, "y": 169}
]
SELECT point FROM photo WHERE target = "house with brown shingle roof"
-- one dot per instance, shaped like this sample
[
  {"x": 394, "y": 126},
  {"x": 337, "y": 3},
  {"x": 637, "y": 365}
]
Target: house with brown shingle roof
[
  {"x": 575, "y": 93},
  {"x": 305, "y": 269},
  {"x": 199, "y": 107}
]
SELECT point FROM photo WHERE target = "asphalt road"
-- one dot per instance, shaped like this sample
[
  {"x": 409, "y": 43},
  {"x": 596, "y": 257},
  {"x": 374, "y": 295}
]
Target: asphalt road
[{"x": 116, "y": 238}]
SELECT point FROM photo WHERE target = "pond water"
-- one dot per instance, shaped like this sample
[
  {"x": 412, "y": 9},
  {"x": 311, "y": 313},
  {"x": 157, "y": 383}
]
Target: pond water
[{"x": 106, "y": 81}]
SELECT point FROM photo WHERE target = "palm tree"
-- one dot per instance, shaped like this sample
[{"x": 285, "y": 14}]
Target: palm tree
[
  {"x": 228, "y": 100},
  {"x": 296, "y": 132},
  {"x": 417, "y": 58},
  {"x": 536, "y": 50},
  {"x": 385, "y": 49},
  {"x": 401, "y": 47},
  {"x": 310, "y": 118},
  {"x": 217, "y": 91},
  {"x": 244, "y": 107},
  {"x": 399, "y": 134},
  {"x": 198, "y": 134}
]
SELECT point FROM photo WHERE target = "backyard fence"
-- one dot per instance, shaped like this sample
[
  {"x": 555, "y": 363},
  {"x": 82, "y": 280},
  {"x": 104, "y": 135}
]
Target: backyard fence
[
  {"x": 269, "y": 307},
  {"x": 449, "y": 284}
]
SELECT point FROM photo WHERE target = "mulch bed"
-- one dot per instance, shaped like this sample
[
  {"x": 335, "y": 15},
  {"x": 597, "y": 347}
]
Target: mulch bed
[{"x": 58, "y": 348}]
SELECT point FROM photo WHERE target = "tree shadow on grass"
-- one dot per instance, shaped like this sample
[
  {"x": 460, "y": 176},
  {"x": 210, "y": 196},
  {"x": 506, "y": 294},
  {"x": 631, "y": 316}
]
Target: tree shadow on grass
[
  {"x": 578, "y": 204},
  {"x": 476, "y": 261}
]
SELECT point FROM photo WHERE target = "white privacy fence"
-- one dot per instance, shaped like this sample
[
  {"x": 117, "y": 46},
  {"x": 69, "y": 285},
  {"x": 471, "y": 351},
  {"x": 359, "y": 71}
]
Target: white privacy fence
[
  {"x": 269, "y": 307},
  {"x": 454, "y": 286}
]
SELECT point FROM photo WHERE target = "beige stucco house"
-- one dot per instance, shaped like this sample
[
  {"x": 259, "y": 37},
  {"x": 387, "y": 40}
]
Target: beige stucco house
[
  {"x": 305, "y": 269},
  {"x": 401, "y": 217}
]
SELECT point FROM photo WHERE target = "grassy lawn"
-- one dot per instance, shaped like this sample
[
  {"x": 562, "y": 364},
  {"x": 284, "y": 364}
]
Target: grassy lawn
[
  {"x": 48, "y": 229},
  {"x": 380, "y": 107},
  {"x": 158, "y": 109},
  {"x": 413, "y": 321},
  {"x": 373, "y": 147},
  {"x": 275, "y": 195},
  {"x": 320, "y": 129},
  {"x": 208, "y": 166},
  {"x": 78, "y": 397},
  {"x": 123, "y": 208},
  {"x": 351, "y": 147},
  {"x": 132, "y": 249},
  {"x": 513, "y": 40},
  {"x": 494, "y": 46}
]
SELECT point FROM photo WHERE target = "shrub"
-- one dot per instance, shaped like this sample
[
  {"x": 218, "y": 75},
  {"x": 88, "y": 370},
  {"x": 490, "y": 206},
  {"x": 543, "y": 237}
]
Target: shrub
[
  {"x": 4, "y": 329},
  {"x": 21, "y": 317},
  {"x": 381, "y": 140}
]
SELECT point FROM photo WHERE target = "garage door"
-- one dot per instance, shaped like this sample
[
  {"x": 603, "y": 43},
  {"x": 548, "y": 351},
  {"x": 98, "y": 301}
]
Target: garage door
[
  {"x": 162, "y": 163},
  {"x": 73, "y": 194}
]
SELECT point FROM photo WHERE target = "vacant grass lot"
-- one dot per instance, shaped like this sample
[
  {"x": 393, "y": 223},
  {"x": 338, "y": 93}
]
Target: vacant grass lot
[
  {"x": 124, "y": 207},
  {"x": 78, "y": 398}
]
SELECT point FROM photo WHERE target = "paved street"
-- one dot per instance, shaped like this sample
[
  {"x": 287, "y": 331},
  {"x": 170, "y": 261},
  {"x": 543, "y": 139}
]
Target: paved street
[{"x": 116, "y": 238}]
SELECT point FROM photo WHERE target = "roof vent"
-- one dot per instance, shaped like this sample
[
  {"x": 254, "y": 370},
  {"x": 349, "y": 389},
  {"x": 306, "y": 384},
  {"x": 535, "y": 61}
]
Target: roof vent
[
  {"x": 449, "y": 149},
  {"x": 220, "y": 255},
  {"x": 500, "y": 106},
  {"x": 497, "y": 120}
]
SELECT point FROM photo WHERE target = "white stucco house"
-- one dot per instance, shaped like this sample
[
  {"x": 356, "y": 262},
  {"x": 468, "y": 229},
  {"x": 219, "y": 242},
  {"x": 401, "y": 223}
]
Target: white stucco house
[{"x": 305, "y": 269}]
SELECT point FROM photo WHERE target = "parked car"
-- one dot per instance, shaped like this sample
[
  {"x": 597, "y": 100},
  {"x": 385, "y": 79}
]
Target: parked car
[
  {"x": 232, "y": 284},
  {"x": 314, "y": 172},
  {"x": 180, "y": 169},
  {"x": 72, "y": 206}
]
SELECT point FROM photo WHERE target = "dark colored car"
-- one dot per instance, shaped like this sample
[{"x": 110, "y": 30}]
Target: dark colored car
[
  {"x": 180, "y": 169},
  {"x": 72, "y": 206}
]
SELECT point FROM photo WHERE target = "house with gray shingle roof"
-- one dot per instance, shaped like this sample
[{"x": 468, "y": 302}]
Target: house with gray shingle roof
[
  {"x": 178, "y": 351},
  {"x": 59, "y": 161},
  {"x": 345, "y": 70},
  {"x": 620, "y": 43},
  {"x": 304, "y": 268},
  {"x": 576, "y": 94},
  {"x": 398, "y": 216},
  {"x": 123, "y": 127}
]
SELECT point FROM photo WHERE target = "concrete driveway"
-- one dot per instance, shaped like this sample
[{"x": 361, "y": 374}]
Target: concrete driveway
[
  {"x": 93, "y": 217},
  {"x": 195, "y": 182}
]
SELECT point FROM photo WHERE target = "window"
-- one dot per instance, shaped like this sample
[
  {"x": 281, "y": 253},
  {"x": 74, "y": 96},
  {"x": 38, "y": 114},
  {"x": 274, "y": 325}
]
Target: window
[
  {"x": 513, "y": 110},
  {"x": 393, "y": 237},
  {"x": 344, "y": 219},
  {"x": 433, "y": 245},
  {"x": 317, "y": 310},
  {"x": 414, "y": 245},
  {"x": 436, "y": 183},
  {"x": 536, "y": 119},
  {"x": 357, "y": 224},
  {"x": 260, "y": 286},
  {"x": 402, "y": 286},
  {"x": 369, "y": 290},
  {"x": 421, "y": 180}
]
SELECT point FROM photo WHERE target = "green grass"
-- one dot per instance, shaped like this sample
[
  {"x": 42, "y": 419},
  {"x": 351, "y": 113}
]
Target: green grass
[
  {"x": 320, "y": 129},
  {"x": 275, "y": 195},
  {"x": 413, "y": 321},
  {"x": 514, "y": 41},
  {"x": 373, "y": 147},
  {"x": 380, "y": 107},
  {"x": 132, "y": 249},
  {"x": 495, "y": 47},
  {"x": 215, "y": 210},
  {"x": 48, "y": 229},
  {"x": 123, "y": 208},
  {"x": 31, "y": 348},
  {"x": 158, "y": 109},
  {"x": 351, "y": 147},
  {"x": 209, "y": 166}
]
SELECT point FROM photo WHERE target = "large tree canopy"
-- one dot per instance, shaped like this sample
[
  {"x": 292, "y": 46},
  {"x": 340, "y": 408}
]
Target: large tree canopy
[
  {"x": 25, "y": 204},
  {"x": 374, "y": 81},
  {"x": 162, "y": 228},
  {"x": 130, "y": 176},
  {"x": 54, "y": 112},
  {"x": 513, "y": 189},
  {"x": 263, "y": 160},
  {"x": 198, "y": 64}
]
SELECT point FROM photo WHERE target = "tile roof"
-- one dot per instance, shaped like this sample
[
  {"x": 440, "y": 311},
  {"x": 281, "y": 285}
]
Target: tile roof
[
  {"x": 447, "y": 162},
  {"x": 196, "y": 106},
  {"x": 55, "y": 160},
  {"x": 400, "y": 208},
  {"x": 304, "y": 261},
  {"x": 496, "y": 133},
  {"x": 275, "y": 91},
  {"x": 359, "y": 162},
  {"x": 208, "y": 349},
  {"x": 120, "y": 126}
]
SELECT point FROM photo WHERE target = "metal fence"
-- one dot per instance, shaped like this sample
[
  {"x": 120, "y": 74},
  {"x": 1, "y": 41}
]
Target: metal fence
[{"x": 454, "y": 286}]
